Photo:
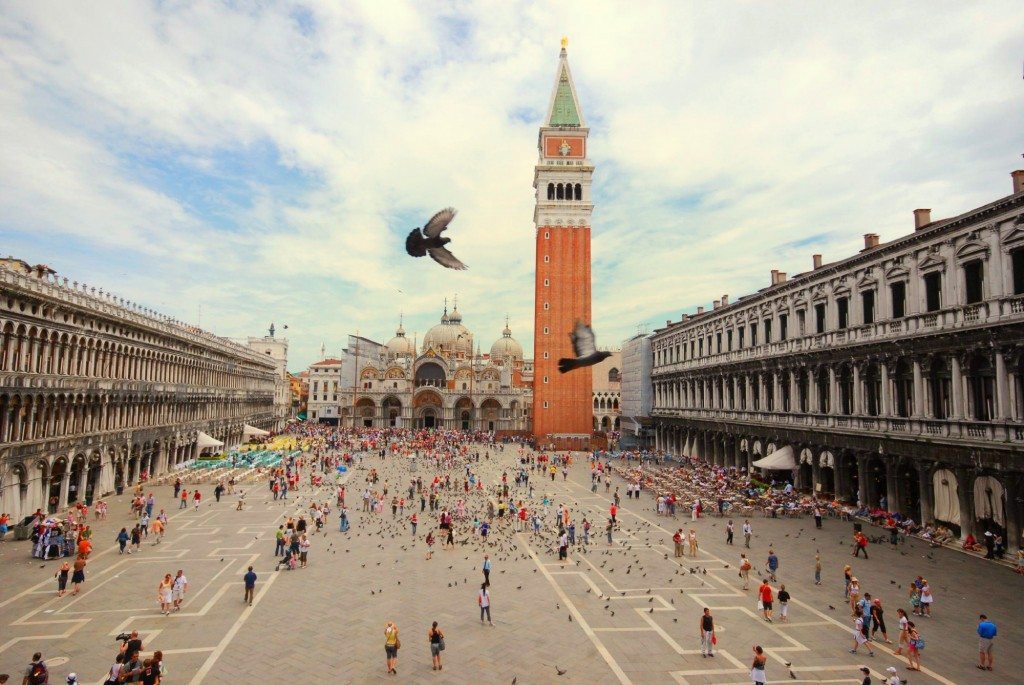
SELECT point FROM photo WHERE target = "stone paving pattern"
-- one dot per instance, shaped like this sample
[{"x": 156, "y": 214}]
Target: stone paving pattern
[{"x": 325, "y": 623}]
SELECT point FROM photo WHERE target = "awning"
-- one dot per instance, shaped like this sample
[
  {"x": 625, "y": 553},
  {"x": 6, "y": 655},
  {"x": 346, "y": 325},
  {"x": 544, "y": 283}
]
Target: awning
[
  {"x": 779, "y": 460},
  {"x": 203, "y": 441},
  {"x": 253, "y": 430}
]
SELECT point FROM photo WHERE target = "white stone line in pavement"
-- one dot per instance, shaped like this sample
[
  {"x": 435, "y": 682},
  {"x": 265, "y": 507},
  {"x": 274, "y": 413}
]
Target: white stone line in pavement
[
  {"x": 230, "y": 634},
  {"x": 580, "y": 621}
]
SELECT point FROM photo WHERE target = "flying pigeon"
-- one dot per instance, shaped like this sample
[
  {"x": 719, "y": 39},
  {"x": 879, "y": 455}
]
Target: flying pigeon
[
  {"x": 430, "y": 241},
  {"x": 584, "y": 348}
]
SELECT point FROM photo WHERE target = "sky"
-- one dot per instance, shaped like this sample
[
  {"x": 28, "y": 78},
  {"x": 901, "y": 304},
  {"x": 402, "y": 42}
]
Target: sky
[{"x": 233, "y": 164}]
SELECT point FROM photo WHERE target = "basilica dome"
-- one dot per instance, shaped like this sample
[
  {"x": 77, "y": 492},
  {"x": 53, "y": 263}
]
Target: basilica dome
[
  {"x": 506, "y": 346},
  {"x": 400, "y": 346},
  {"x": 450, "y": 337}
]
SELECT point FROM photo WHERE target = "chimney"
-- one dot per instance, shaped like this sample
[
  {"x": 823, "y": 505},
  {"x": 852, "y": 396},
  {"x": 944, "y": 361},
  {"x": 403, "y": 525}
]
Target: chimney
[
  {"x": 725, "y": 300},
  {"x": 700, "y": 310},
  {"x": 1018, "y": 181},
  {"x": 782, "y": 277},
  {"x": 922, "y": 217},
  {"x": 775, "y": 276},
  {"x": 668, "y": 322},
  {"x": 870, "y": 240},
  {"x": 715, "y": 304},
  {"x": 817, "y": 260}
]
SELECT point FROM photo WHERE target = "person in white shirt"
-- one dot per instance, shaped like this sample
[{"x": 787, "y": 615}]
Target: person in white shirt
[
  {"x": 893, "y": 677},
  {"x": 484, "y": 600},
  {"x": 178, "y": 589},
  {"x": 748, "y": 530}
]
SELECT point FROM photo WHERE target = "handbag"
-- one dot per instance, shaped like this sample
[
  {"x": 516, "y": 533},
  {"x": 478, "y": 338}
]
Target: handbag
[
  {"x": 760, "y": 605},
  {"x": 440, "y": 645},
  {"x": 398, "y": 643}
]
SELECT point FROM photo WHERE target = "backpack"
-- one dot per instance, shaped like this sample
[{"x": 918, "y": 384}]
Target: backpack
[
  {"x": 919, "y": 643},
  {"x": 38, "y": 674}
]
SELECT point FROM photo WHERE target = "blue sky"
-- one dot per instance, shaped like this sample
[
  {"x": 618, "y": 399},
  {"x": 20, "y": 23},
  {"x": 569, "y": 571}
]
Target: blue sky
[{"x": 256, "y": 162}]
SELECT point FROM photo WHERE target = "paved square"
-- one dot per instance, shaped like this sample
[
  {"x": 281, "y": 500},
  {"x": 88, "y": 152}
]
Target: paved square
[{"x": 621, "y": 613}]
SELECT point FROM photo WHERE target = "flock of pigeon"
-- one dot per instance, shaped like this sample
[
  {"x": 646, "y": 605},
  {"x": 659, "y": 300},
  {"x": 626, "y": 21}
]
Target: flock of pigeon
[{"x": 428, "y": 240}]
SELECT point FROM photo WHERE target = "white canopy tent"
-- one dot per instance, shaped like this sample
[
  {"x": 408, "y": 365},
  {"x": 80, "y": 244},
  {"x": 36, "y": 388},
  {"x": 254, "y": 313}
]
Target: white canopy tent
[
  {"x": 988, "y": 499},
  {"x": 254, "y": 431},
  {"x": 780, "y": 460},
  {"x": 204, "y": 441},
  {"x": 947, "y": 498}
]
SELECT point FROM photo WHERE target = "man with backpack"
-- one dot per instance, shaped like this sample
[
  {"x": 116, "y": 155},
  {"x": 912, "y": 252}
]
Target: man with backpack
[{"x": 36, "y": 673}]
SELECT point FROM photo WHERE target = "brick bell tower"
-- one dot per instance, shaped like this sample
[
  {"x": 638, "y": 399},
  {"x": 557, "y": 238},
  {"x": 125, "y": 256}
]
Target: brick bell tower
[{"x": 562, "y": 414}]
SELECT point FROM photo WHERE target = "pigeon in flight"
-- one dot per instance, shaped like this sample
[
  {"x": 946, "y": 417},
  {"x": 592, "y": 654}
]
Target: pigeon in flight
[
  {"x": 430, "y": 241},
  {"x": 584, "y": 348}
]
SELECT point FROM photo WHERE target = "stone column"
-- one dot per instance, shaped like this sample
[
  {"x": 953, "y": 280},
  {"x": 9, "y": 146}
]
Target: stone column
[
  {"x": 65, "y": 483},
  {"x": 812, "y": 390},
  {"x": 833, "y": 394},
  {"x": 862, "y": 480},
  {"x": 815, "y": 475},
  {"x": 918, "y": 389},
  {"x": 884, "y": 393},
  {"x": 925, "y": 493},
  {"x": 1012, "y": 513},
  {"x": 892, "y": 485},
  {"x": 856, "y": 405},
  {"x": 956, "y": 387},
  {"x": 965, "y": 493},
  {"x": 1002, "y": 391}
]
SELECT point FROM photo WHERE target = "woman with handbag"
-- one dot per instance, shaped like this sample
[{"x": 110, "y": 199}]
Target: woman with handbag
[
  {"x": 436, "y": 638},
  {"x": 391, "y": 646}
]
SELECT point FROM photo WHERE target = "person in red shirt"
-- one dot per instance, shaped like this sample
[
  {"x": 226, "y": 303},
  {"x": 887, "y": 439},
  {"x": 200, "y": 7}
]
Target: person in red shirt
[
  {"x": 184, "y": 500},
  {"x": 766, "y": 600},
  {"x": 522, "y": 518},
  {"x": 613, "y": 510}
]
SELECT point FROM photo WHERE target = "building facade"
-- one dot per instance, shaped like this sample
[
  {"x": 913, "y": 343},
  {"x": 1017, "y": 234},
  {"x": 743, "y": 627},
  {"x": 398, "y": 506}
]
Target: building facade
[
  {"x": 637, "y": 393},
  {"x": 443, "y": 384},
  {"x": 606, "y": 378},
  {"x": 95, "y": 391},
  {"x": 562, "y": 180},
  {"x": 895, "y": 376},
  {"x": 277, "y": 349}
]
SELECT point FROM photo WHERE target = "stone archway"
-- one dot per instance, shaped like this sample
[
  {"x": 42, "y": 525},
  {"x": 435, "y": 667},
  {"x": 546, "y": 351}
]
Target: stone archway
[
  {"x": 365, "y": 412},
  {"x": 465, "y": 414},
  {"x": 391, "y": 409},
  {"x": 427, "y": 409},
  {"x": 490, "y": 411}
]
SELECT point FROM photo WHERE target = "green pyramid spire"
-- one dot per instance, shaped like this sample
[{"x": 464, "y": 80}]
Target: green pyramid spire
[{"x": 563, "y": 110}]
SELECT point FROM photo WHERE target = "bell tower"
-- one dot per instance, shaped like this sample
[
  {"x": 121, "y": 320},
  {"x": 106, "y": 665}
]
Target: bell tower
[{"x": 562, "y": 179}]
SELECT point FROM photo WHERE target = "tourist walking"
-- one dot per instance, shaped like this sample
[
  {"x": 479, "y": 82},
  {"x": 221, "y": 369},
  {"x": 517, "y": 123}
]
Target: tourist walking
[
  {"x": 914, "y": 645},
  {"x": 178, "y": 589},
  {"x": 77, "y": 575},
  {"x": 878, "y": 621},
  {"x": 745, "y": 571},
  {"x": 904, "y": 638},
  {"x": 783, "y": 603},
  {"x": 765, "y": 599},
  {"x": 250, "y": 585},
  {"x": 707, "y": 634},
  {"x": 391, "y": 646},
  {"x": 163, "y": 593},
  {"x": 773, "y": 565},
  {"x": 435, "y": 637},
  {"x": 757, "y": 674},
  {"x": 37, "y": 673},
  {"x": 677, "y": 540},
  {"x": 748, "y": 531},
  {"x": 62, "y": 578},
  {"x": 926, "y": 599},
  {"x": 693, "y": 542},
  {"x": 729, "y": 532},
  {"x": 860, "y": 636},
  {"x": 487, "y": 569},
  {"x": 484, "y": 600},
  {"x": 986, "y": 634}
]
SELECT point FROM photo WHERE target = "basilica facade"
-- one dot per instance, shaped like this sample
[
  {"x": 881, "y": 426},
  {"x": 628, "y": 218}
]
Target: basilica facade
[{"x": 442, "y": 382}]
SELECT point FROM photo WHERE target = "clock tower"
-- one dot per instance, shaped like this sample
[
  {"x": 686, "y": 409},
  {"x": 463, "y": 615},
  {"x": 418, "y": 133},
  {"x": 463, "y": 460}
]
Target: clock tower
[{"x": 562, "y": 179}]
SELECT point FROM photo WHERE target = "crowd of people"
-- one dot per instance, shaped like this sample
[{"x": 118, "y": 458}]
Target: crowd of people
[{"x": 449, "y": 487}]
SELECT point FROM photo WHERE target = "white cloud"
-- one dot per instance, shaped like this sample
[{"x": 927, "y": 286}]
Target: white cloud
[{"x": 721, "y": 133}]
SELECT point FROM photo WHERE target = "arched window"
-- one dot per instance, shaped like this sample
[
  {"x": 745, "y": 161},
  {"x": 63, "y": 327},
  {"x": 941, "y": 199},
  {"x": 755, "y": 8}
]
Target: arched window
[
  {"x": 613, "y": 375},
  {"x": 579, "y": 192},
  {"x": 551, "y": 191}
]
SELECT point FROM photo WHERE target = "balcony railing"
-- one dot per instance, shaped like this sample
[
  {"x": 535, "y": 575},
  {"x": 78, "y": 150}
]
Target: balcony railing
[
  {"x": 1002, "y": 310},
  {"x": 965, "y": 429}
]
